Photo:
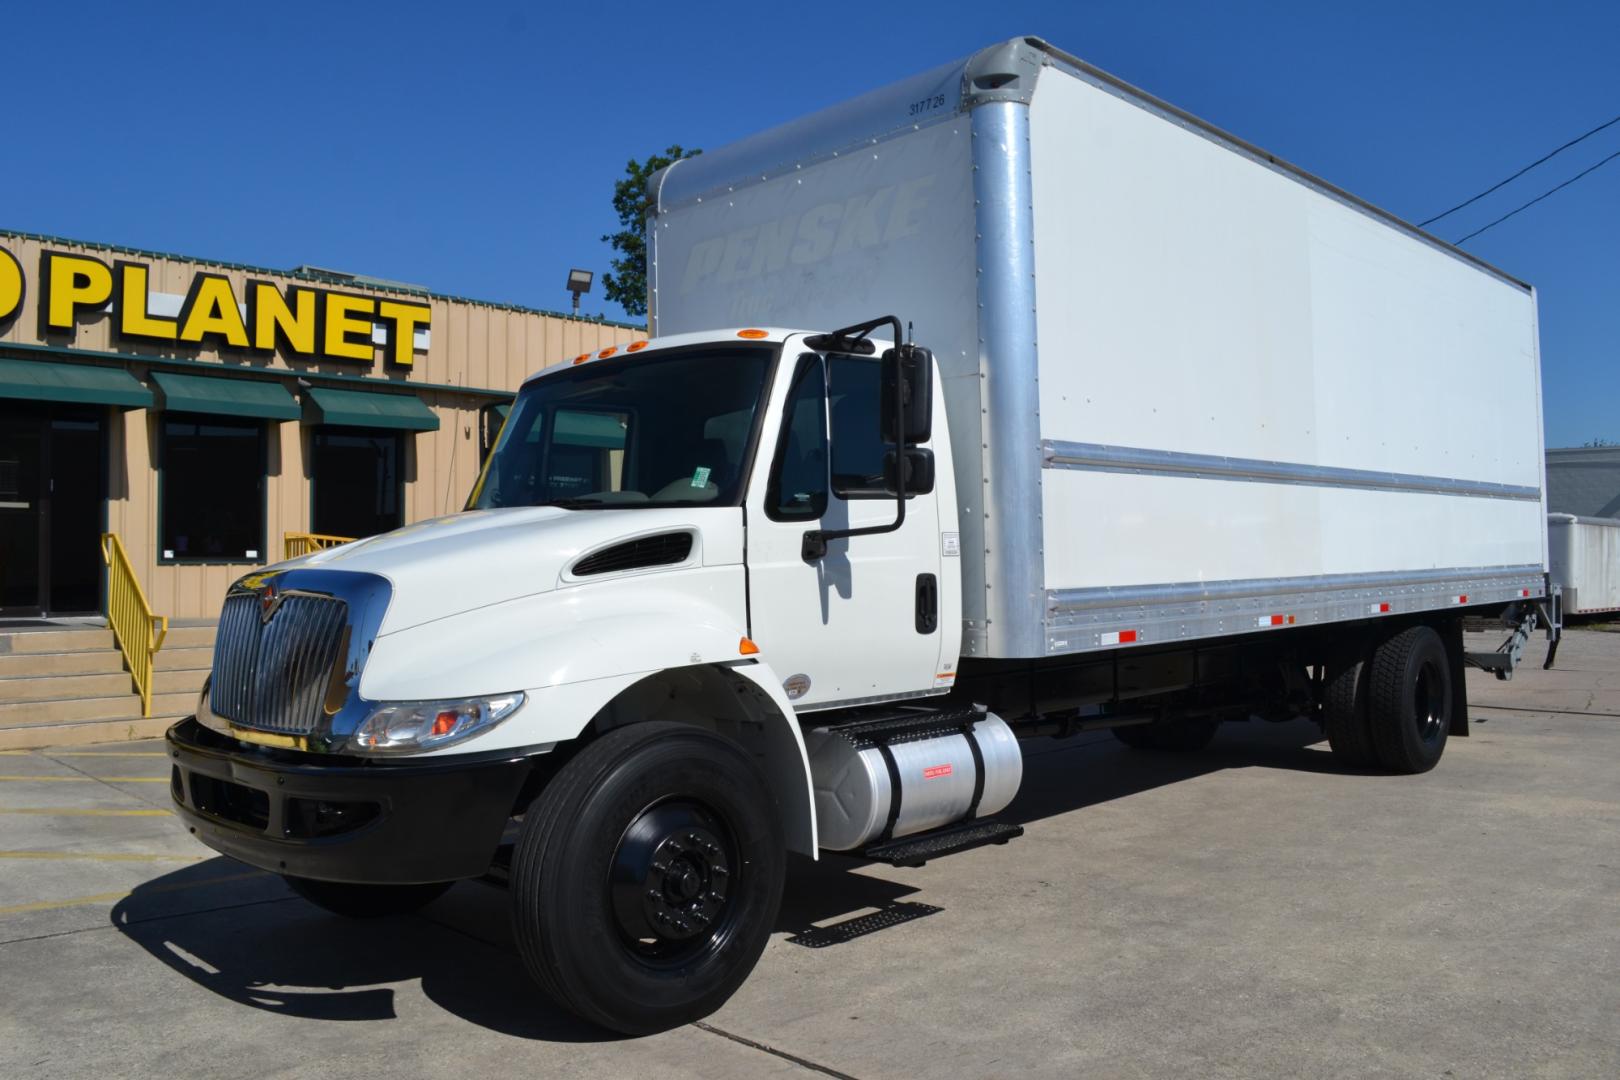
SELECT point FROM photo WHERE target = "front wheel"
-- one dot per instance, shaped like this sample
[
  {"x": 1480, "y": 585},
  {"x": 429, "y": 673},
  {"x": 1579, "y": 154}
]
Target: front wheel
[{"x": 647, "y": 877}]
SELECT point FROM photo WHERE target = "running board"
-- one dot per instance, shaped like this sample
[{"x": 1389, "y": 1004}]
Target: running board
[{"x": 917, "y": 850}]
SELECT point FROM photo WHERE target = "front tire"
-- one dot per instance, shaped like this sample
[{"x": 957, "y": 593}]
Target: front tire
[
  {"x": 366, "y": 901},
  {"x": 1410, "y": 700},
  {"x": 647, "y": 877}
]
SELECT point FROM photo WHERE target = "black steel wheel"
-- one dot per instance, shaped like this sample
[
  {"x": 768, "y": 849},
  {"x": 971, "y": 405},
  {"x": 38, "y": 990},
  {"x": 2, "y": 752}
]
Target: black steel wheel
[
  {"x": 1344, "y": 716},
  {"x": 365, "y": 901},
  {"x": 647, "y": 877},
  {"x": 1410, "y": 700}
]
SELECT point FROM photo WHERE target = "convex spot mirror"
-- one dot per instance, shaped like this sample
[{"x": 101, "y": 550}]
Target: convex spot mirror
[
  {"x": 919, "y": 476},
  {"x": 908, "y": 372}
]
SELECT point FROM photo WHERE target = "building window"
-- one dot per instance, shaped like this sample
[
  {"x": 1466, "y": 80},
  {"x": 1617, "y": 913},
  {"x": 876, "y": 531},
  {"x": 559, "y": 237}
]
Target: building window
[
  {"x": 356, "y": 479},
  {"x": 212, "y": 489}
]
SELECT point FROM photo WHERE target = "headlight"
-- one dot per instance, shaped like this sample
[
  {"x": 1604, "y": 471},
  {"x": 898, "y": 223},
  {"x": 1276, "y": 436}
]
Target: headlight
[{"x": 410, "y": 727}]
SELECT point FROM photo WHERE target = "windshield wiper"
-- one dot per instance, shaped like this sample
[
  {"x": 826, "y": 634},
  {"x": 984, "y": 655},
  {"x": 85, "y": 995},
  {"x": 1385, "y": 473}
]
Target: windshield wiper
[{"x": 574, "y": 502}]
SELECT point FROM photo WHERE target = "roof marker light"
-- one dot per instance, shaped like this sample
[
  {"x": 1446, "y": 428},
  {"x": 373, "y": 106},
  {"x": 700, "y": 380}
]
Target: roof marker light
[
  {"x": 635, "y": 346},
  {"x": 582, "y": 357},
  {"x": 746, "y": 647},
  {"x": 607, "y": 352},
  {"x": 752, "y": 335}
]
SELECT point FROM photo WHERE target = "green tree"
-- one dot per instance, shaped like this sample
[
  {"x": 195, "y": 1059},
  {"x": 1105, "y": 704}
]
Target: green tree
[{"x": 626, "y": 284}]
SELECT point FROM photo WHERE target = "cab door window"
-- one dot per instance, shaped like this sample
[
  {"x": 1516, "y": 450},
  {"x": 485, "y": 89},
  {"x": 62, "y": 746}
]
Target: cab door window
[{"x": 798, "y": 487}]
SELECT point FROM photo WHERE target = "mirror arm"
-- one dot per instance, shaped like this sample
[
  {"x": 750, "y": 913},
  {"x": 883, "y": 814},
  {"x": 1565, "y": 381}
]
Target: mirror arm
[{"x": 814, "y": 546}]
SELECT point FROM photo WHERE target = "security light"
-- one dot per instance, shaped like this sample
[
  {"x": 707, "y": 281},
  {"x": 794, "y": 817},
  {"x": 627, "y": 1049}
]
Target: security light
[{"x": 579, "y": 281}]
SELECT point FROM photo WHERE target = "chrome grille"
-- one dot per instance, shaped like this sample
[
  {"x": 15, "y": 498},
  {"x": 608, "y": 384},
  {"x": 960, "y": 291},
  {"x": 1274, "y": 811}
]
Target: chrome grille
[{"x": 273, "y": 675}]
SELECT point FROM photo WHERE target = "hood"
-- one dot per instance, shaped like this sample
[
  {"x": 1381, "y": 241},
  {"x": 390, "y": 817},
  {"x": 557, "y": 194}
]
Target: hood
[{"x": 448, "y": 565}]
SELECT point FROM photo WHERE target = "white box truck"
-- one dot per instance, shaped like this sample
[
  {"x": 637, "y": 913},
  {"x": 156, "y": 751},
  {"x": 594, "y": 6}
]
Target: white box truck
[
  {"x": 1584, "y": 563},
  {"x": 1162, "y": 433}
]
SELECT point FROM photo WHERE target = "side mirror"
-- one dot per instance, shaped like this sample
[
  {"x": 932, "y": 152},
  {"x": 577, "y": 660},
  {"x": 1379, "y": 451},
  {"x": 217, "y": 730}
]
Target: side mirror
[
  {"x": 908, "y": 372},
  {"x": 919, "y": 471}
]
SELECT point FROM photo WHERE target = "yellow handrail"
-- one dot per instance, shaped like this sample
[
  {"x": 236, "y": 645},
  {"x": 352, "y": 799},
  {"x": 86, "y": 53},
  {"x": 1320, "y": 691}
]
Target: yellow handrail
[
  {"x": 140, "y": 633},
  {"x": 296, "y": 544}
]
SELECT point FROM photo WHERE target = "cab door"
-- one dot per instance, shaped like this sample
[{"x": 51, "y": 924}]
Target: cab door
[{"x": 863, "y": 621}]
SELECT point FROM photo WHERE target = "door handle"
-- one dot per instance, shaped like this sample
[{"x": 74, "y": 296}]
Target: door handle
[{"x": 927, "y": 603}]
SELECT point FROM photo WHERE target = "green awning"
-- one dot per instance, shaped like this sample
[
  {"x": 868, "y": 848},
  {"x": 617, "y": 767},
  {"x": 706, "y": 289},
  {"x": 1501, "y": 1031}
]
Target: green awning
[
  {"x": 226, "y": 396},
  {"x": 356, "y": 408},
  {"x": 82, "y": 383}
]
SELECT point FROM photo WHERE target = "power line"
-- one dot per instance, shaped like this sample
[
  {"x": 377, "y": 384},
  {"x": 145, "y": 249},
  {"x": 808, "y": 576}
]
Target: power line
[
  {"x": 1543, "y": 195},
  {"x": 1521, "y": 172}
]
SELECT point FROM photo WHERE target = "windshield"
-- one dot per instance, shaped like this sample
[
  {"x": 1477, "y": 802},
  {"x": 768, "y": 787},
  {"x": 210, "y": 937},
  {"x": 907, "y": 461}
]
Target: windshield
[{"x": 671, "y": 429}]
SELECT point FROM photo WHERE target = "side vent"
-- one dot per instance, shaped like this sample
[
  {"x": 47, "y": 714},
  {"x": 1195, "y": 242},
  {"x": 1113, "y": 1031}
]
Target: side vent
[{"x": 661, "y": 550}]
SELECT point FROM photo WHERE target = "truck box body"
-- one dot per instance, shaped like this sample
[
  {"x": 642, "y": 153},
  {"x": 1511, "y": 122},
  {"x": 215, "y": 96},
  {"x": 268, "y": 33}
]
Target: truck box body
[
  {"x": 1584, "y": 559},
  {"x": 1193, "y": 392}
]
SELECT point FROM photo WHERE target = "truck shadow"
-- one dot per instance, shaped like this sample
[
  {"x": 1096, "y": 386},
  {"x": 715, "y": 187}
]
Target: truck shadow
[
  {"x": 279, "y": 954},
  {"x": 1064, "y": 775}
]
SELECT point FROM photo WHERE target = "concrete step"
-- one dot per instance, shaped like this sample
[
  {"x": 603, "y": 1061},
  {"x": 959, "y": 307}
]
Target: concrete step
[
  {"x": 188, "y": 637},
  {"x": 56, "y": 687},
  {"x": 77, "y": 639},
  {"x": 169, "y": 659},
  {"x": 183, "y": 681},
  {"x": 85, "y": 732},
  {"x": 89, "y": 662},
  {"x": 118, "y": 707}
]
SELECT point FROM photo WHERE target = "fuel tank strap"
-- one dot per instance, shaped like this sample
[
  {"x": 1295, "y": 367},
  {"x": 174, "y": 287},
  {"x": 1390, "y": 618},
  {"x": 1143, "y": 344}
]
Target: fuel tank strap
[
  {"x": 978, "y": 769},
  {"x": 894, "y": 791}
]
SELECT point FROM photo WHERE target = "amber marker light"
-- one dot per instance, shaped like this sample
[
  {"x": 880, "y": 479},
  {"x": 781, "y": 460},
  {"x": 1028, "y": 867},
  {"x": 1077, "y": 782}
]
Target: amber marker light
[
  {"x": 582, "y": 357},
  {"x": 607, "y": 352},
  {"x": 752, "y": 335},
  {"x": 747, "y": 647},
  {"x": 635, "y": 346}
]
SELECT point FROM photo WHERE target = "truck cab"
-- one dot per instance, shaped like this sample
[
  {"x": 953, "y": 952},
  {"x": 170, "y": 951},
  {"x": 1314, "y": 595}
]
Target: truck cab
[{"x": 674, "y": 552}]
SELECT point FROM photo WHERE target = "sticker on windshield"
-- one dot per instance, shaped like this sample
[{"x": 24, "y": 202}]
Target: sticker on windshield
[{"x": 700, "y": 476}]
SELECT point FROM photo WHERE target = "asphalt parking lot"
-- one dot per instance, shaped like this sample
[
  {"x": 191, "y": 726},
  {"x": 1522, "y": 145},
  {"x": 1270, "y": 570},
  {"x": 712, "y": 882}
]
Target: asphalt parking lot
[{"x": 1250, "y": 911}]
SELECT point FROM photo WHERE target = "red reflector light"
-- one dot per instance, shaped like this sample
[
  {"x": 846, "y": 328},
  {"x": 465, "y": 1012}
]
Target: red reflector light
[
  {"x": 1463, "y": 599},
  {"x": 1276, "y": 620},
  {"x": 1127, "y": 636},
  {"x": 1383, "y": 607}
]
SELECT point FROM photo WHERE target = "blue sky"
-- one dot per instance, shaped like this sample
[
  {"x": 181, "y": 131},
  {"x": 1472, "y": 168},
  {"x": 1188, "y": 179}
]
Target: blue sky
[{"x": 472, "y": 147}]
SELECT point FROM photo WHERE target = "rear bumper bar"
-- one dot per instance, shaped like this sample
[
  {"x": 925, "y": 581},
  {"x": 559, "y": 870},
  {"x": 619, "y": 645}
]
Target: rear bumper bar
[{"x": 343, "y": 818}]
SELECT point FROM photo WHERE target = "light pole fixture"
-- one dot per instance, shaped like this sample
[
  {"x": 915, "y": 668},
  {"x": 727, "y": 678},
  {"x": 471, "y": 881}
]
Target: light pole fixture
[{"x": 579, "y": 281}]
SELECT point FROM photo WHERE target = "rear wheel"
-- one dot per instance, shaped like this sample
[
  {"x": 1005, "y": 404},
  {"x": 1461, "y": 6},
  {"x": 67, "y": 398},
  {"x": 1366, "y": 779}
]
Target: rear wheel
[
  {"x": 366, "y": 901},
  {"x": 1409, "y": 700},
  {"x": 1344, "y": 716},
  {"x": 647, "y": 877}
]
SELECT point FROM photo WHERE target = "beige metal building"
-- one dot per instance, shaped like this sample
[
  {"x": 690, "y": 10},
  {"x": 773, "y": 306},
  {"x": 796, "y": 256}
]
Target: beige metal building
[{"x": 203, "y": 411}]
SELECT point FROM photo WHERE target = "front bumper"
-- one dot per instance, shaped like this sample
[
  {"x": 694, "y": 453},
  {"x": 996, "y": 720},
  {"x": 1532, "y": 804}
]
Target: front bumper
[{"x": 343, "y": 819}]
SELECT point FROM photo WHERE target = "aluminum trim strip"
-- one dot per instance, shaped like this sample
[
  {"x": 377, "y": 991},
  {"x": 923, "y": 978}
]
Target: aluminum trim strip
[
  {"x": 1200, "y": 591},
  {"x": 1014, "y": 557},
  {"x": 1093, "y": 620},
  {"x": 1098, "y": 457}
]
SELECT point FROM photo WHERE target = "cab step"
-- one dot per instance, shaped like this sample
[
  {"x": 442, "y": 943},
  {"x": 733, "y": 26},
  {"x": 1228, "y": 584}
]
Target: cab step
[{"x": 917, "y": 850}]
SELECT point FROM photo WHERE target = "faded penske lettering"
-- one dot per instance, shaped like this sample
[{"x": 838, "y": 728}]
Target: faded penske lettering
[
  {"x": 296, "y": 319},
  {"x": 830, "y": 229}
]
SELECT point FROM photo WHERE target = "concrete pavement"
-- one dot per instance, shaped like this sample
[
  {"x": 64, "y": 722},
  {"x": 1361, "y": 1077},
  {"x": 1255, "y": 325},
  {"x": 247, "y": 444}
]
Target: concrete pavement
[{"x": 1249, "y": 911}]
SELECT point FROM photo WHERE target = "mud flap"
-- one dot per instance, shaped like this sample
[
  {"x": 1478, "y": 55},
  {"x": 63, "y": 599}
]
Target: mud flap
[{"x": 1452, "y": 634}]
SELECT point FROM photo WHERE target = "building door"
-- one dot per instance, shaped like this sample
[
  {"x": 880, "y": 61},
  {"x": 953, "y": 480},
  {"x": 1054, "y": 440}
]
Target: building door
[{"x": 52, "y": 490}]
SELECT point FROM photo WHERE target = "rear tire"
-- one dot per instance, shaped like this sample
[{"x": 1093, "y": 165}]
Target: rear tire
[
  {"x": 647, "y": 877},
  {"x": 1410, "y": 700},
  {"x": 1344, "y": 717},
  {"x": 366, "y": 901}
]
